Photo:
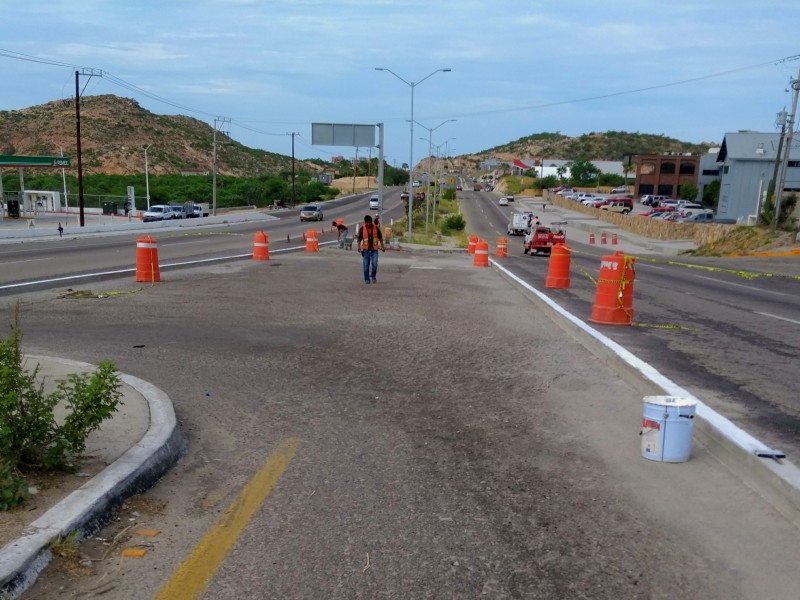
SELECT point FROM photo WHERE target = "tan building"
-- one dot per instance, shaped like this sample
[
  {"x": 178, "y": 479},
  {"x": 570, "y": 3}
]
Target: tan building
[{"x": 664, "y": 174}]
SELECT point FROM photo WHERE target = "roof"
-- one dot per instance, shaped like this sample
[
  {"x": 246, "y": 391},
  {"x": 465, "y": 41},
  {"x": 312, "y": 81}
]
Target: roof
[
  {"x": 752, "y": 145},
  {"x": 521, "y": 165}
]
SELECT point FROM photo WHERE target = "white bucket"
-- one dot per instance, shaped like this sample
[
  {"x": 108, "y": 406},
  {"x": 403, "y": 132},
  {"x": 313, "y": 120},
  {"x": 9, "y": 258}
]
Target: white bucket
[{"x": 667, "y": 428}]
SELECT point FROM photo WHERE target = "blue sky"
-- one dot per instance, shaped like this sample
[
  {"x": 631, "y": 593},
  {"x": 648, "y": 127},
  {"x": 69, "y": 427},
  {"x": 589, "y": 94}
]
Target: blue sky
[{"x": 518, "y": 67}]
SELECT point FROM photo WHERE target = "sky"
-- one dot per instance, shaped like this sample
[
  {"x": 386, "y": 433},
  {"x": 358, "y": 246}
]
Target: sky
[{"x": 688, "y": 69}]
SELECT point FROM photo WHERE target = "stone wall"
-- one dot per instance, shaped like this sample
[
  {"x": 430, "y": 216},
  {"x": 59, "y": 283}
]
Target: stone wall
[{"x": 699, "y": 233}]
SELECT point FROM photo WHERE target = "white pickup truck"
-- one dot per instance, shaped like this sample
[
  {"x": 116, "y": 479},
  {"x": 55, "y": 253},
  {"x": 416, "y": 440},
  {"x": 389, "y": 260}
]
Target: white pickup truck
[{"x": 520, "y": 223}]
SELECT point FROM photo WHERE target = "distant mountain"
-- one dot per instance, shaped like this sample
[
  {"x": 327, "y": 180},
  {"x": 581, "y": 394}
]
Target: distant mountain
[
  {"x": 115, "y": 131},
  {"x": 611, "y": 145}
]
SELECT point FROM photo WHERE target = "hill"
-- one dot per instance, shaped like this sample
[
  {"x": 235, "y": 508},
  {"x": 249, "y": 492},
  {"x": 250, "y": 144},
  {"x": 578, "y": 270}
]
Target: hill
[
  {"x": 611, "y": 145},
  {"x": 115, "y": 131}
]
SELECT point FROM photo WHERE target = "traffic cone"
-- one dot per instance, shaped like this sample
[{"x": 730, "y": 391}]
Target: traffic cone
[
  {"x": 558, "y": 269},
  {"x": 613, "y": 303},
  {"x": 147, "y": 260},
  {"x": 261, "y": 246}
]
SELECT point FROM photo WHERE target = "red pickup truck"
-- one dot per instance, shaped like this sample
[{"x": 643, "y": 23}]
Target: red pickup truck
[{"x": 542, "y": 239}]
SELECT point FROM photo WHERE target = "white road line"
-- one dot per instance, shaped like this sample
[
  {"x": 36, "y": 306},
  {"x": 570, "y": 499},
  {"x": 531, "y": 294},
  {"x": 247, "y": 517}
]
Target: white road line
[
  {"x": 14, "y": 262},
  {"x": 777, "y": 317},
  {"x": 747, "y": 287}
]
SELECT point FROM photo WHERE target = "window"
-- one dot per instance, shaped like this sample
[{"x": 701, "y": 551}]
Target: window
[
  {"x": 711, "y": 172},
  {"x": 667, "y": 168},
  {"x": 725, "y": 169},
  {"x": 665, "y": 190},
  {"x": 793, "y": 163},
  {"x": 687, "y": 168},
  {"x": 646, "y": 188}
]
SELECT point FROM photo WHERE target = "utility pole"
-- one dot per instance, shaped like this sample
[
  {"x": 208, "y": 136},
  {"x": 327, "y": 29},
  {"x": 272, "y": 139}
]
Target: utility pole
[
  {"x": 294, "y": 189},
  {"x": 217, "y": 122},
  {"x": 780, "y": 121},
  {"x": 88, "y": 73},
  {"x": 787, "y": 151}
]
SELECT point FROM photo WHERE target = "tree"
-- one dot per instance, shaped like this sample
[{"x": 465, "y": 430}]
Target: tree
[
  {"x": 561, "y": 171},
  {"x": 584, "y": 173},
  {"x": 711, "y": 194},
  {"x": 687, "y": 191}
]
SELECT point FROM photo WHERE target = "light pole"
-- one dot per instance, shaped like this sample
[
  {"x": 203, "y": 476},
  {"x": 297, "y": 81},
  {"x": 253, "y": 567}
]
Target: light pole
[
  {"x": 146, "y": 177},
  {"x": 412, "y": 85},
  {"x": 430, "y": 160}
]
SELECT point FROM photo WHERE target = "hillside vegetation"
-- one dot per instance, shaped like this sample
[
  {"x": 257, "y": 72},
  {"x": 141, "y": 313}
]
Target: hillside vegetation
[{"x": 115, "y": 131}]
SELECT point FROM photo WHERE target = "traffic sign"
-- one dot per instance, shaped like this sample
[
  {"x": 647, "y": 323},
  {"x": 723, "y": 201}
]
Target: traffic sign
[
  {"x": 451, "y": 180},
  {"x": 41, "y": 162}
]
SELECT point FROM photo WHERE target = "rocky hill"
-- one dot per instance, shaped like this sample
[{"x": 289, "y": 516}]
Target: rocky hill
[
  {"x": 611, "y": 145},
  {"x": 115, "y": 131}
]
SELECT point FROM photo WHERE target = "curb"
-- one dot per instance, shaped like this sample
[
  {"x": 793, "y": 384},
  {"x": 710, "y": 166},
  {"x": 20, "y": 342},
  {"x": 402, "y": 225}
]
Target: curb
[
  {"x": 88, "y": 508},
  {"x": 777, "y": 483}
]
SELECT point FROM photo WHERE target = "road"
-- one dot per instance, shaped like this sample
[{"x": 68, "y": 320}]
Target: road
[
  {"x": 729, "y": 332},
  {"x": 431, "y": 436}
]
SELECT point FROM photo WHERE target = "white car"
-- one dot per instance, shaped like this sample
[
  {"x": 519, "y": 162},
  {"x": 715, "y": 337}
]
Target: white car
[
  {"x": 503, "y": 201},
  {"x": 374, "y": 202},
  {"x": 158, "y": 212}
]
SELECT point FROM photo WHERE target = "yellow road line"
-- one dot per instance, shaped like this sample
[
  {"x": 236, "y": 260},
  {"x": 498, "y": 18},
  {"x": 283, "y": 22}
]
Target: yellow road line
[{"x": 192, "y": 577}]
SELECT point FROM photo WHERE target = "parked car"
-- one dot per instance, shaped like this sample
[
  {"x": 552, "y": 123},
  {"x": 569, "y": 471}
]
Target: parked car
[
  {"x": 178, "y": 211},
  {"x": 623, "y": 189},
  {"x": 510, "y": 197},
  {"x": 703, "y": 217},
  {"x": 197, "y": 211},
  {"x": 618, "y": 206},
  {"x": 503, "y": 201},
  {"x": 374, "y": 202},
  {"x": 158, "y": 212},
  {"x": 311, "y": 212},
  {"x": 653, "y": 200}
]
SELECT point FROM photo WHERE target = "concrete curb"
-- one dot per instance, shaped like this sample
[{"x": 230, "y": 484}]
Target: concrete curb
[
  {"x": 89, "y": 507},
  {"x": 778, "y": 483}
]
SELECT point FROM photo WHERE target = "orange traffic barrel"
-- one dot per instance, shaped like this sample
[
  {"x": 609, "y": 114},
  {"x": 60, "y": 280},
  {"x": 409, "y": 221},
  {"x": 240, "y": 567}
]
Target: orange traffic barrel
[
  {"x": 261, "y": 246},
  {"x": 613, "y": 302},
  {"x": 481, "y": 254},
  {"x": 613, "y": 239},
  {"x": 502, "y": 247},
  {"x": 603, "y": 238},
  {"x": 473, "y": 240},
  {"x": 312, "y": 241},
  {"x": 591, "y": 238},
  {"x": 558, "y": 269},
  {"x": 147, "y": 260}
]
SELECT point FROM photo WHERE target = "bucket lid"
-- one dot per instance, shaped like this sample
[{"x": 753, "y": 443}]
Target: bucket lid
[{"x": 670, "y": 401}]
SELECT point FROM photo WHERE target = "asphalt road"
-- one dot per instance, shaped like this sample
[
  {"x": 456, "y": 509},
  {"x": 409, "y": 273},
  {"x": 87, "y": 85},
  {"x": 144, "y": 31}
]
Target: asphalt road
[
  {"x": 448, "y": 441},
  {"x": 729, "y": 331}
]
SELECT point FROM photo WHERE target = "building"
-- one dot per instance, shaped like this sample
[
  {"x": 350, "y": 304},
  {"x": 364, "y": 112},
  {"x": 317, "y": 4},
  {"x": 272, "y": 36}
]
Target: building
[
  {"x": 664, "y": 174},
  {"x": 747, "y": 163}
]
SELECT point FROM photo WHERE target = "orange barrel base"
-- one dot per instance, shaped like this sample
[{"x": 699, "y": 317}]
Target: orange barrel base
[
  {"x": 591, "y": 238},
  {"x": 312, "y": 241},
  {"x": 603, "y": 238},
  {"x": 558, "y": 269},
  {"x": 613, "y": 303},
  {"x": 481, "y": 254},
  {"x": 502, "y": 247},
  {"x": 473, "y": 240},
  {"x": 147, "y": 260},
  {"x": 261, "y": 246}
]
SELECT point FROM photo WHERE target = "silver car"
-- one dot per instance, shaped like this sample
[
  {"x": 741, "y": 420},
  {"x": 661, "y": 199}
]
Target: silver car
[
  {"x": 158, "y": 212},
  {"x": 312, "y": 212}
]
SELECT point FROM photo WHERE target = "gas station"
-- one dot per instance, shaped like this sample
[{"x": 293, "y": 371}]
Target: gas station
[{"x": 30, "y": 202}]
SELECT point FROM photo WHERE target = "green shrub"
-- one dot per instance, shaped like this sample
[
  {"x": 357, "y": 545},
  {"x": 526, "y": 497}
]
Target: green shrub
[
  {"x": 30, "y": 437},
  {"x": 453, "y": 223},
  {"x": 13, "y": 488}
]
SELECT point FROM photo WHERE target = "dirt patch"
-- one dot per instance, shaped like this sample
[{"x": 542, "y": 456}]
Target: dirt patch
[
  {"x": 355, "y": 184},
  {"x": 751, "y": 241}
]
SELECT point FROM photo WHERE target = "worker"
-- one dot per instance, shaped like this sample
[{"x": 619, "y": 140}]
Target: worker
[
  {"x": 370, "y": 239},
  {"x": 341, "y": 230}
]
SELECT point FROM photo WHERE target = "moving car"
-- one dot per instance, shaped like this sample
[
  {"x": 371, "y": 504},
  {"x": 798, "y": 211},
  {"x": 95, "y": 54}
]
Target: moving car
[
  {"x": 374, "y": 202},
  {"x": 158, "y": 212},
  {"x": 503, "y": 201},
  {"x": 311, "y": 212},
  {"x": 404, "y": 195},
  {"x": 458, "y": 188}
]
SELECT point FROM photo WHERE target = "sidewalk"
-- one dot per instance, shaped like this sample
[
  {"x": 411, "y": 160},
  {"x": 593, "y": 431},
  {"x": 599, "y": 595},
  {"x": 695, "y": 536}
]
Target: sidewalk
[{"x": 126, "y": 456}]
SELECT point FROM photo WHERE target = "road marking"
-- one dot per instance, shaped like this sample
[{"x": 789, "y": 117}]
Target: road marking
[
  {"x": 427, "y": 268},
  {"x": 747, "y": 287},
  {"x": 14, "y": 262},
  {"x": 777, "y": 317},
  {"x": 193, "y": 575}
]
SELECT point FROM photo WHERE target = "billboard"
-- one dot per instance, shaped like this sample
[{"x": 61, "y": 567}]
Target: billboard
[{"x": 342, "y": 134}]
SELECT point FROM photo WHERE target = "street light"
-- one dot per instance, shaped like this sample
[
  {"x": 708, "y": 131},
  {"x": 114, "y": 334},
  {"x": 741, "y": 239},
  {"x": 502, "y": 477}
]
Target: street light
[
  {"x": 430, "y": 159},
  {"x": 412, "y": 85},
  {"x": 147, "y": 177}
]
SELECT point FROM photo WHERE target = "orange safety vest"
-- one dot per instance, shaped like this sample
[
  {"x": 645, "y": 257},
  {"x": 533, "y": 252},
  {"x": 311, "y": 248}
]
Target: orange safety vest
[{"x": 372, "y": 234}]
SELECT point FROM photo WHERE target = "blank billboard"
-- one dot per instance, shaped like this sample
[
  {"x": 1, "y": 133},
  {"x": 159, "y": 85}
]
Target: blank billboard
[{"x": 342, "y": 134}]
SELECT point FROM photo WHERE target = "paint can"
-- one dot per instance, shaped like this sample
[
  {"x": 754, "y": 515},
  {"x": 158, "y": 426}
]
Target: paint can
[{"x": 667, "y": 426}]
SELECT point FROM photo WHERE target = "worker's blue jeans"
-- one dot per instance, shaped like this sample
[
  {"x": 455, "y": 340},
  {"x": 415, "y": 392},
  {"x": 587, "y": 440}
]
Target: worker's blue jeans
[{"x": 370, "y": 258}]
